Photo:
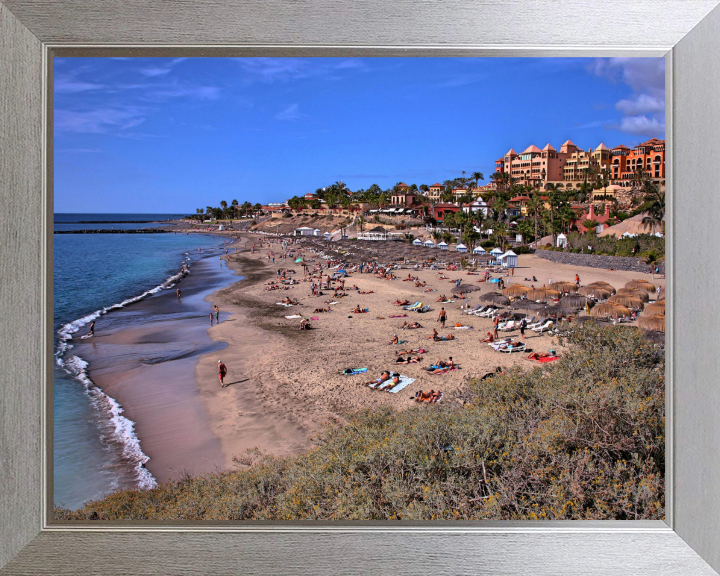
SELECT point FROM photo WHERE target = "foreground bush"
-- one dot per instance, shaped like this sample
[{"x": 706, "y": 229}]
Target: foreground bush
[{"x": 582, "y": 438}]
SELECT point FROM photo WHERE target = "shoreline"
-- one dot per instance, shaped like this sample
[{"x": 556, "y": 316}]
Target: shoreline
[{"x": 285, "y": 384}]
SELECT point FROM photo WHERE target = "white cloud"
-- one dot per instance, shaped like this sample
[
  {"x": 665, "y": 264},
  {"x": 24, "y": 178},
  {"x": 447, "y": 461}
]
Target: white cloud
[
  {"x": 643, "y": 112},
  {"x": 65, "y": 85},
  {"x": 285, "y": 69},
  {"x": 641, "y": 104},
  {"x": 290, "y": 113},
  {"x": 642, "y": 126},
  {"x": 99, "y": 121}
]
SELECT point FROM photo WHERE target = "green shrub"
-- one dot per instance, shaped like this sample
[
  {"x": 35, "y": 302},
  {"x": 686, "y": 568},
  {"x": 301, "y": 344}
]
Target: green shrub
[
  {"x": 582, "y": 438},
  {"x": 487, "y": 244}
]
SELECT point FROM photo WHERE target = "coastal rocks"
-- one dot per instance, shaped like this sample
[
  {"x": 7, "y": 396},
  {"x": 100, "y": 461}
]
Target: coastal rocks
[{"x": 595, "y": 261}]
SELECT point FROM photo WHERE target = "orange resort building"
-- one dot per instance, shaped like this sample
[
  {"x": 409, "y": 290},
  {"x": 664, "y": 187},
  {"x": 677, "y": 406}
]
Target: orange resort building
[
  {"x": 403, "y": 195},
  {"x": 571, "y": 166}
]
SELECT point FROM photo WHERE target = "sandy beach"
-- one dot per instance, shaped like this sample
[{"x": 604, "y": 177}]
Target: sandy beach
[{"x": 285, "y": 383}]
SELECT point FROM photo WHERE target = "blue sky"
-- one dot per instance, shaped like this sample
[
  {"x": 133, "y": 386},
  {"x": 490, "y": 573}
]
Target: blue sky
[{"x": 159, "y": 135}]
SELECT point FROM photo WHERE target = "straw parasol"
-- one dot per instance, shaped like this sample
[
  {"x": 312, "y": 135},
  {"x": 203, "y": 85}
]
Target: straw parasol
[
  {"x": 641, "y": 284},
  {"x": 574, "y": 302},
  {"x": 655, "y": 309},
  {"x": 652, "y": 323},
  {"x": 603, "y": 284},
  {"x": 595, "y": 291},
  {"x": 495, "y": 298},
  {"x": 563, "y": 286},
  {"x": 515, "y": 290},
  {"x": 526, "y": 304},
  {"x": 627, "y": 301},
  {"x": 465, "y": 288},
  {"x": 609, "y": 310},
  {"x": 549, "y": 311},
  {"x": 542, "y": 294},
  {"x": 635, "y": 293}
]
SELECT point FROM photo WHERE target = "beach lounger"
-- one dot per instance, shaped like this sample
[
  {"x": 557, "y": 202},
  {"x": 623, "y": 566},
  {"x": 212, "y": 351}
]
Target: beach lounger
[
  {"x": 508, "y": 326},
  {"x": 424, "y": 309},
  {"x": 486, "y": 314},
  {"x": 499, "y": 344},
  {"x": 535, "y": 324},
  {"x": 413, "y": 306},
  {"x": 293, "y": 316},
  {"x": 544, "y": 328}
]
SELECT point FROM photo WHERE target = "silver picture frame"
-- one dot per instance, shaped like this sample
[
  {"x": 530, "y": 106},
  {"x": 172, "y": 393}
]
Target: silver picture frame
[{"x": 685, "y": 32}]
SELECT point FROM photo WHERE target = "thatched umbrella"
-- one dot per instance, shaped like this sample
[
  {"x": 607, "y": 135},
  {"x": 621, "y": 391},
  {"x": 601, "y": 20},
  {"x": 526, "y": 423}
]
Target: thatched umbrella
[
  {"x": 515, "y": 290},
  {"x": 550, "y": 311},
  {"x": 603, "y": 284},
  {"x": 495, "y": 298},
  {"x": 526, "y": 304},
  {"x": 627, "y": 301},
  {"x": 563, "y": 286},
  {"x": 635, "y": 293},
  {"x": 595, "y": 292},
  {"x": 465, "y": 288},
  {"x": 574, "y": 304},
  {"x": 609, "y": 310},
  {"x": 542, "y": 294},
  {"x": 573, "y": 299},
  {"x": 641, "y": 284},
  {"x": 655, "y": 309},
  {"x": 652, "y": 323}
]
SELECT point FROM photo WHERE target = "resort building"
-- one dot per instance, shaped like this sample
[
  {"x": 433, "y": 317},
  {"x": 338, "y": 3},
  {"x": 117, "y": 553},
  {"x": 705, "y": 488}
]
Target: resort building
[
  {"x": 604, "y": 220},
  {"x": 435, "y": 191},
  {"x": 571, "y": 167},
  {"x": 648, "y": 157},
  {"x": 479, "y": 205},
  {"x": 439, "y": 210},
  {"x": 403, "y": 195}
]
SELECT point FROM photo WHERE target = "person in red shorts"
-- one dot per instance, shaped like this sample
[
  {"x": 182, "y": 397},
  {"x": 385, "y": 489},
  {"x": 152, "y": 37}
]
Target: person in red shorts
[{"x": 222, "y": 371}]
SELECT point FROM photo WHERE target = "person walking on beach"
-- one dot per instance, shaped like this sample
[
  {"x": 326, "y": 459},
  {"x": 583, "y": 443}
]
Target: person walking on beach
[
  {"x": 442, "y": 317},
  {"x": 523, "y": 325},
  {"x": 217, "y": 314},
  {"x": 496, "y": 322},
  {"x": 577, "y": 281},
  {"x": 212, "y": 315},
  {"x": 92, "y": 328},
  {"x": 222, "y": 372}
]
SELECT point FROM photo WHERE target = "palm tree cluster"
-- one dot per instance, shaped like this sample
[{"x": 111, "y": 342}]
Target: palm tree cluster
[{"x": 225, "y": 212}]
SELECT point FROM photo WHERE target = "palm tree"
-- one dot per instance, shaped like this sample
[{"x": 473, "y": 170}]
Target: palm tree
[
  {"x": 654, "y": 205},
  {"x": 652, "y": 258},
  {"x": 590, "y": 225},
  {"x": 361, "y": 223},
  {"x": 477, "y": 176}
]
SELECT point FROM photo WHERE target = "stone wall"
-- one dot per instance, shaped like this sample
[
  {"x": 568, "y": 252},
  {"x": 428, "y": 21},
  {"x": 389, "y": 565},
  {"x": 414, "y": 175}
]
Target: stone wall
[{"x": 593, "y": 261}]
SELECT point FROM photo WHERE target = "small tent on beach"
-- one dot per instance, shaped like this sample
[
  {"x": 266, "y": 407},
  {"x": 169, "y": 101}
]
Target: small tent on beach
[
  {"x": 461, "y": 248},
  {"x": 479, "y": 250},
  {"x": 417, "y": 242},
  {"x": 443, "y": 245},
  {"x": 429, "y": 244},
  {"x": 509, "y": 259}
]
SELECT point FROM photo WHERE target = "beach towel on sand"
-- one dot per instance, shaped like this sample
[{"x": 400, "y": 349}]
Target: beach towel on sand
[
  {"x": 314, "y": 317},
  {"x": 548, "y": 359},
  {"x": 405, "y": 381},
  {"x": 293, "y": 316},
  {"x": 351, "y": 371}
]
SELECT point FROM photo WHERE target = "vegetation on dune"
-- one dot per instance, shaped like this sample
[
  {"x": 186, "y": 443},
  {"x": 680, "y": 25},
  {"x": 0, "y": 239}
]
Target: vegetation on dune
[{"x": 580, "y": 438}]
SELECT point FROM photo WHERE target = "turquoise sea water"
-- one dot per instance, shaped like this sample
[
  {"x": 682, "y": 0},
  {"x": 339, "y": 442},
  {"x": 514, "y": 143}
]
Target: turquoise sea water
[{"x": 95, "y": 451}]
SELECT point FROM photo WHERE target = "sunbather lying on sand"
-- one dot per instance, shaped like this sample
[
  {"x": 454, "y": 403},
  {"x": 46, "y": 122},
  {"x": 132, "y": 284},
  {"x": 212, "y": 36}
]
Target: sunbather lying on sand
[
  {"x": 413, "y": 351},
  {"x": 319, "y": 310},
  {"x": 389, "y": 384},
  {"x": 498, "y": 372},
  {"x": 420, "y": 284},
  {"x": 409, "y": 360},
  {"x": 428, "y": 396},
  {"x": 401, "y": 302},
  {"x": 368, "y": 292},
  {"x": 411, "y": 326},
  {"x": 538, "y": 355},
  {"x": 433, "y": 335},
  {"x": 444, "y": 338},
  {"x": 358, "y": 310},
  {"x": 384, "y": 377}
]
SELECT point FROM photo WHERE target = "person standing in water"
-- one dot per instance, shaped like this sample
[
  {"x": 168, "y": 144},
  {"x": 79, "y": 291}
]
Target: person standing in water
[
  {"x": 217, "y": 313},
  {"x": 222, "y": 372},
  {"x": 177, "y": 292},
  {"x": 92, "y": 328}
]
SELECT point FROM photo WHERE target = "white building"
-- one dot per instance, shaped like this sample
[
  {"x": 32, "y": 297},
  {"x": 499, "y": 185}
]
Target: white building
[
  {"x": 478, "y": 205},
  {"x": 509, "y": 259},
  {"x": 461, "y": 248},
  {"x": 304, "y": 231},
  {"x": 443, "y": 245}
]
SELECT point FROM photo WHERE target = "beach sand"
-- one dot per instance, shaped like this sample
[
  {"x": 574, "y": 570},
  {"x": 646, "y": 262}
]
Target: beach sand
[{"x": 286, "y": 383}]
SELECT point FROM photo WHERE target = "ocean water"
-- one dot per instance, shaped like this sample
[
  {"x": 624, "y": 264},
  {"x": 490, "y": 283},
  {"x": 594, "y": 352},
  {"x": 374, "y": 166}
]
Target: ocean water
[{"x": 95, "y": 447}]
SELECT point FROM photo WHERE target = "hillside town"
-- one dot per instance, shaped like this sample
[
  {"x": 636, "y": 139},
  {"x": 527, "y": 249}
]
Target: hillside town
[{"x": 536, "y": 197}]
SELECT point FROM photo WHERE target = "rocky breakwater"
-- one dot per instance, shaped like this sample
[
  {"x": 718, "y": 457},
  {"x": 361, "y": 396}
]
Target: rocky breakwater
[{"x": 596, "y": 261}]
